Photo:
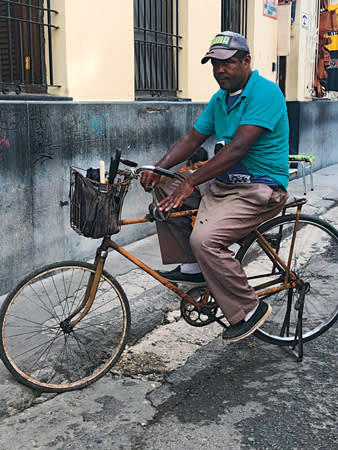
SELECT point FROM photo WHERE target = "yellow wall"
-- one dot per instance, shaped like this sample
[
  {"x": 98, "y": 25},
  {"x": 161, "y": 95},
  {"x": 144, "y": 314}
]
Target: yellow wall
[
  {"x": 198, "y": 26},
  {"x": 302, "y": 54},
  {"x": 262, "y": 39},
  {"x": 199, "y": 23},
  {"x": 60, "y": 60},
  {"x": 97, "y": 39}
]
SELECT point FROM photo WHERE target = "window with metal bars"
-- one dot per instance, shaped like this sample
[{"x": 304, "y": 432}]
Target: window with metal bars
[
  {"x": 234, "y": 16},
  {"x": 156, "y": 40},
  {"x": 26, "y": 46}
]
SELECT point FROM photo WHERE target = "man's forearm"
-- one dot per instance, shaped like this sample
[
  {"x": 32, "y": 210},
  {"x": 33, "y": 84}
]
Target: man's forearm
[
  {"x": 182, "y": 149},
  {"x": 228, "y": 156},
  {"x": 221, "y": 162}
]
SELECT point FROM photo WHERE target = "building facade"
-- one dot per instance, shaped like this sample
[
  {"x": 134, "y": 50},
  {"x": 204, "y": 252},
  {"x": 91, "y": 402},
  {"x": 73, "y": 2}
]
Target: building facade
[{"x": 127, "y": 50}]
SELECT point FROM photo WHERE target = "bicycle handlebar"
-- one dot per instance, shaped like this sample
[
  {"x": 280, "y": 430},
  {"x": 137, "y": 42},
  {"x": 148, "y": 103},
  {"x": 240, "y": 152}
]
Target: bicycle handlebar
[
  {"x": 137, "y": 171},
  {"x": 158, "y": 170}
]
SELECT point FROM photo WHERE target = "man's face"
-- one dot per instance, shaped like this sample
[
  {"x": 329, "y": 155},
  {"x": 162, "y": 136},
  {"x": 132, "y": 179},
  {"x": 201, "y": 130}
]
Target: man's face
[{"x": 231, "y": 74}]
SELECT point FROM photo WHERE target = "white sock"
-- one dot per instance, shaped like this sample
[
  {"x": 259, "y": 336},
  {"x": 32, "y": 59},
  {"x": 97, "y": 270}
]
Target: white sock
[
  {"x": 190, "y": 268},
  {"x": 250, "y": 314}
]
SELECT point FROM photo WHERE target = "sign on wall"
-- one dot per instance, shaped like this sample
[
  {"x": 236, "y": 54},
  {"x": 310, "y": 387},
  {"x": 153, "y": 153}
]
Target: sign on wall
[{"x": 270, "y": 8}]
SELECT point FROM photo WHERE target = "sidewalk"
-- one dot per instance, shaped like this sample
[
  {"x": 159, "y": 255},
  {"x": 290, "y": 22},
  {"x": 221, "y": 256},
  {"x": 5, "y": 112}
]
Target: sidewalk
[{"x": 325, "y": 193}]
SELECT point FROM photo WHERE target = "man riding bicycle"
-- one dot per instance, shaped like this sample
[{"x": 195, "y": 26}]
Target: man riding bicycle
[{"x": 242, "y": 185}]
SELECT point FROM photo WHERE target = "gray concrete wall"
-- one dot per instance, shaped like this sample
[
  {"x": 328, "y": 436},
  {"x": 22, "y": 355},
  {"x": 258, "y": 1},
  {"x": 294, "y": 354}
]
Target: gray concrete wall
[
  {"x": 313, "y": 131},
  {"x": 39, "y": 141}
]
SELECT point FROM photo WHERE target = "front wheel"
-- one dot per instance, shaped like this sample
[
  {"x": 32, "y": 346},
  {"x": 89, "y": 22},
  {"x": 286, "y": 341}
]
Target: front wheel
[
  {"x": 315, "y": 263},
  {"x": 38, "y": 344}
]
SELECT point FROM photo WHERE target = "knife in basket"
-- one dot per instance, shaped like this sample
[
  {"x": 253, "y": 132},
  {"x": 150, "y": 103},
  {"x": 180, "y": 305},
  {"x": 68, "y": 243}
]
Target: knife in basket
[{"x": 114, "y": 165}]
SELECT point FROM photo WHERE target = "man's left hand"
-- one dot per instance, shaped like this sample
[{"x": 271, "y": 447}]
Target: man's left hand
[{"x": 176, "y": 199}]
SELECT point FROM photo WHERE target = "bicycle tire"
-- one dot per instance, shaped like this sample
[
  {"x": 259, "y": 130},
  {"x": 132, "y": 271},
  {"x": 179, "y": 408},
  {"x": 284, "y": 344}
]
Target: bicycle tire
[
  {"x": 314, "y": 261},
  {"x": 48, "y": 357}
]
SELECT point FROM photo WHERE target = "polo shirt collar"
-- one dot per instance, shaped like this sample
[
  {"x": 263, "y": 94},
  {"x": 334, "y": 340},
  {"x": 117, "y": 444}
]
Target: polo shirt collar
[
  {"x": 247, "y": 88},
  {"x": 251, "y": 82},
  {"x": 249, "y": 85}
]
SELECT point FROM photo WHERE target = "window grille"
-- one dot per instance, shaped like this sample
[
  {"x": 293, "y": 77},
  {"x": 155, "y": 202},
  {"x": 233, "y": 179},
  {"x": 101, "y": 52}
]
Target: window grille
[
  {"x": 26, "y": 45},
  {"x": 234, "y": 16},
  {"x": 156, "y": 47}
]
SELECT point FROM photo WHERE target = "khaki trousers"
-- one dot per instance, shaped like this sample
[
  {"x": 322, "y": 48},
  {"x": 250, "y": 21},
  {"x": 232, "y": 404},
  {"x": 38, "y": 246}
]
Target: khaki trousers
[{"x": 226, "y": 213}]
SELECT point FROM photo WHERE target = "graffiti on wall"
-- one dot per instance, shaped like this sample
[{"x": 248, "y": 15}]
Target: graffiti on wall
[
  {"x": 99, "y": 123},
  {"x": 4, "y": 139},
  {"x": 13, "y": 125},
  {"x": 48, "y": 134}
]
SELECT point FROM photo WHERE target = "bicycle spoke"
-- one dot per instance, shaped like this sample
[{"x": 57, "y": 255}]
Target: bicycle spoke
[
  {"x": 40, "y": 305},
  {"x": 70, "y": 359},
  {"x": 29, "y": 333},
  {"x": 45, "y": 349},
  {"x": 75, "y": 293},
  {"x": 48, "y": 297},
  {"x": 46, "y": 355},
  {"x": 90, "y": 325},
  {"x": 32, "y": 349},
  {"x": 23, "y": 319},
  {"x": 78, "y": 341},
  {"x": 93, "y": 316},
  {"x": 67, "y": 291}
]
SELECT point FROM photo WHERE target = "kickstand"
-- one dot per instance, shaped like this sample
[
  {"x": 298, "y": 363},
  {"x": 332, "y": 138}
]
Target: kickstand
[{"x": 299, "y": 306}]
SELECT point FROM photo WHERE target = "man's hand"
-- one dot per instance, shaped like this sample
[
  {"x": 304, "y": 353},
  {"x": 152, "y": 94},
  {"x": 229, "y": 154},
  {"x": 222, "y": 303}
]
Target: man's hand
[
  {"x": 149, "y": 178},
  {"x": 178, "y": 153},
  {"x": 176, "y": 199}
]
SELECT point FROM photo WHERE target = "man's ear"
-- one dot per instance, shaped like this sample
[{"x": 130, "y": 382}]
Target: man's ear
[{"x": 247, "y": 59}]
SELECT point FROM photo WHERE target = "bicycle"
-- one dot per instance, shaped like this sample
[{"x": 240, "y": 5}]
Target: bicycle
[{"x": 65, "y": 325}]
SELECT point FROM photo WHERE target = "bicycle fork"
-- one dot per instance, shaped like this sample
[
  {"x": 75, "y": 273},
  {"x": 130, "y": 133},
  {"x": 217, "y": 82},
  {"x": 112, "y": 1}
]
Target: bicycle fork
[{"x": 67, "y": 325}]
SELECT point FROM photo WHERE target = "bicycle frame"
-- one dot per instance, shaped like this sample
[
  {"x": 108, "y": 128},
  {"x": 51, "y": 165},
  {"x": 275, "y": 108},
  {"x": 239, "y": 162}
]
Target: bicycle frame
[{"x": 263, "y": 290}]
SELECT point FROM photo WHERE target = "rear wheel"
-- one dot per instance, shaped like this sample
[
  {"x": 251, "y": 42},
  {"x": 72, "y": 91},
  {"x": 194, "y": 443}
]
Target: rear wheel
[
  {"x": 315, "y": 263},
  {"x": 38, "y": 344}
]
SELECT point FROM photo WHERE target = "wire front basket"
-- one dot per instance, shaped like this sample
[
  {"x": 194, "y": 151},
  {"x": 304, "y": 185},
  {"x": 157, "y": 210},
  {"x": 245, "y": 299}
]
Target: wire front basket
[{"x": 95, "y": 208}]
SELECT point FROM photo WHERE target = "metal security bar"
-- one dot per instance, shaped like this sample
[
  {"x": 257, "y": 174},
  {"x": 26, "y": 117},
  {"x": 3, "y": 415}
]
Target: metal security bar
[
  {"x": 156, "y": 40},
  {"x": 25, "y": 46},
  {"x": 234, "y": 16}
]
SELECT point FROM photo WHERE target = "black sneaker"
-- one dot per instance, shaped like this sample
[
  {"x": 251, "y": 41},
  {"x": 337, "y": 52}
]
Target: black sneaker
[
  {"x": 177, "y": 276},
  {"x": 243, "y": 329}
]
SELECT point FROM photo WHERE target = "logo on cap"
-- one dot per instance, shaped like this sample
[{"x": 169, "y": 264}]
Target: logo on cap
[{"x": 221, "y": 40}]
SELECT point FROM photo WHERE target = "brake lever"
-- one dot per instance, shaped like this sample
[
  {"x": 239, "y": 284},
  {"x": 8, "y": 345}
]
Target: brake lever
[{"x": 157, "y": 214}]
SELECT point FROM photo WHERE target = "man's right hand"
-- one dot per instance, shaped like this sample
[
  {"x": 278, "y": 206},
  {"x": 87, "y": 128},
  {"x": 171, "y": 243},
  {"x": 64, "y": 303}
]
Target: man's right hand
[{"x": 149, "y": 178}]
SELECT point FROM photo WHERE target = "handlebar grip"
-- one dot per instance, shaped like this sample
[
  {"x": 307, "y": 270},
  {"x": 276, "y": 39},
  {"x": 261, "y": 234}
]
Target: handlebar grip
[
  {"x": 158, "y": 170},
  {"x": 150, "y": 188},
  {"x": 165, "y": 172}
]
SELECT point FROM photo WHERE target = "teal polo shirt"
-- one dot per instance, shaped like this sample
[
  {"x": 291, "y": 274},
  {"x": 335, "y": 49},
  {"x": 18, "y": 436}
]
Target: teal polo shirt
[{"x": 261, "y": 103}]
